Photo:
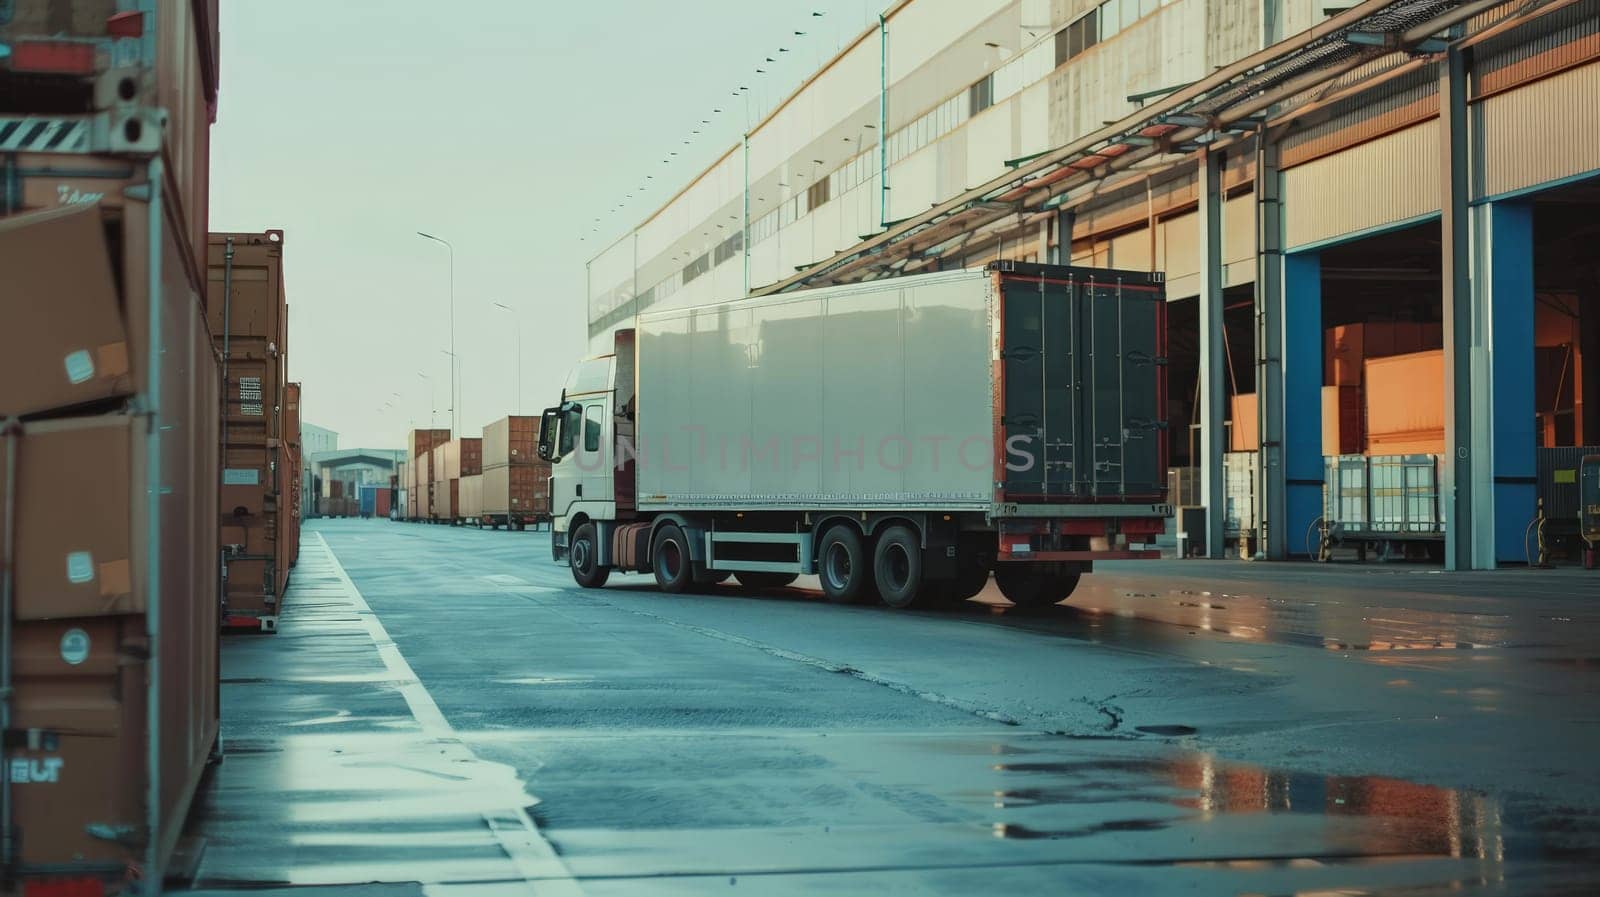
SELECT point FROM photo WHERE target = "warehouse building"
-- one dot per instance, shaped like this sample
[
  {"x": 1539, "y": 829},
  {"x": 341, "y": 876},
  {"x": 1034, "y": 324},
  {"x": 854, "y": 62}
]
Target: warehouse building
[{"x": 1375, "y": 222}]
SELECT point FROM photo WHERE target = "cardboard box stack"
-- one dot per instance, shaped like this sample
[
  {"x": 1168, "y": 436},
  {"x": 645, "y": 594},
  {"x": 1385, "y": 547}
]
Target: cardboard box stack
[
  {"x": 108, "y": 441},
  {"x": 250, "y": 321}
]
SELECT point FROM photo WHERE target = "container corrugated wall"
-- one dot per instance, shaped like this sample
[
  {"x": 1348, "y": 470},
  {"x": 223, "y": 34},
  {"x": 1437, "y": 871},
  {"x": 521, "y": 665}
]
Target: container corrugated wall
[
  {"x": 1384, "y": 181},
  {"x": 1543, "y": 131}
]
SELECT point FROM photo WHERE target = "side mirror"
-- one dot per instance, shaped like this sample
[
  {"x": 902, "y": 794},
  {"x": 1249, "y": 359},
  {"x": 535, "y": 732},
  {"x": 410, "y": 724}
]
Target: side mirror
[{"x": 549, "y": 423}]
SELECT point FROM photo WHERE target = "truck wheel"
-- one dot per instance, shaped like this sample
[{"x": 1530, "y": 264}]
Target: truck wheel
[
  {"x": 583, "y": 554},
  {"x": 758, "y": 581},
  {"x": 897, "y": 567},
  {"x": 842, "y": 563},
  {"x": 669, "y": 558},
  {"x": 1031, "y": 588}
]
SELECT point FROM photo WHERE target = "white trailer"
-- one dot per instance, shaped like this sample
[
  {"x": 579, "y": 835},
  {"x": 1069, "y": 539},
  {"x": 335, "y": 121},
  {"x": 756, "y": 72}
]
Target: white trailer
[{"x": 903, "y": 438}]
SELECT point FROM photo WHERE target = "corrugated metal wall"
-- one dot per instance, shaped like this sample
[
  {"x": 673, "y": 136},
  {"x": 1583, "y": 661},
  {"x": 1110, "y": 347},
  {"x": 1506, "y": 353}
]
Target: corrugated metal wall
[
  {"x": 1546, "y": 44},
  {"x": 1405, "y": 99},
  {"x": 1380, "y": 182},
  {"x": 1542, "y": 131}
]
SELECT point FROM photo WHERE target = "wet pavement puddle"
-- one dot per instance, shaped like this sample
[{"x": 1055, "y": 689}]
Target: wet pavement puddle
[{"x": 1045, "y": 808}]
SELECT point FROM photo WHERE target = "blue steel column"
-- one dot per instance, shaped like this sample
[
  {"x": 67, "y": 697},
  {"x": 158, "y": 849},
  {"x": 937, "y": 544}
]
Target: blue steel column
[
  {"x": 1507, "y": 245},
  {"x": 1212, "y": 354},
  {"x": 1271, "y": 476},
  {"x": 1066, "y": 219},
  {"x": 1456, "y": 486},
  {"x": 1302, "y": 396}
]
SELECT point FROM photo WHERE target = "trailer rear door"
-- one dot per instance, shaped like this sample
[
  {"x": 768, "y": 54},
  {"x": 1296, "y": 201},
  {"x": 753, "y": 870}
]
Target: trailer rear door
[{"x": 1083, "y": 382}]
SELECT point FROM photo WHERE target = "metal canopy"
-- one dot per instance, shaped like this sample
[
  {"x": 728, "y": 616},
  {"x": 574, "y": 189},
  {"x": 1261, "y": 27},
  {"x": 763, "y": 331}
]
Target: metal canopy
[{"x": 1230, "y": 99}]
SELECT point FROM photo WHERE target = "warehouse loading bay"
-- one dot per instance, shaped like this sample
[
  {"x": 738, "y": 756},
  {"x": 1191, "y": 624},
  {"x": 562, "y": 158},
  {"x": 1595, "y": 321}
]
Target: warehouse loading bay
[{"x": 1146, "y": 447}]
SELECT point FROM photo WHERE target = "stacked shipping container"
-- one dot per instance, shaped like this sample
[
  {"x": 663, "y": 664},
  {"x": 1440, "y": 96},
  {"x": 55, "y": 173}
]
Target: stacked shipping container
[
  {"x": 452, "y": 461},
  {"x": 419, "y": 487},
  {"x": 515, "y": 482},
  {"x": 108, "y": 401},
  {"x": 289, "y": 480},
  {"x": 249, "y": 317}
]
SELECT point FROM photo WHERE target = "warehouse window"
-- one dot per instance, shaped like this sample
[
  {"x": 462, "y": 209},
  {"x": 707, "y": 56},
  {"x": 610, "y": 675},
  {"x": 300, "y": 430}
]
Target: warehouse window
[
  {"x": 591, "y": 428},
  {"x": 981, "y": 95},
  {"x": 1110, "y": 18},
  {"x": 1077, "y": 37},
  {"x": 819, "y": 193},
  {"x": 728, "y": 248},
  {"x": 697, "y": 267}
]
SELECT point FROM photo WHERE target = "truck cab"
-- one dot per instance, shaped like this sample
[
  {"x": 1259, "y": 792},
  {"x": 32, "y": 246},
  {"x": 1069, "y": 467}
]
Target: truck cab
[{"x": 578, "y": 438}]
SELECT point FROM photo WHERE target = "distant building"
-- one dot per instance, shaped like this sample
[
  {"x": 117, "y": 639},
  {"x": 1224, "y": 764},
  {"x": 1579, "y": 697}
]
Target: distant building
[
  {"x": 351, "y": 468},
  {"x": 314, "y": 441}
]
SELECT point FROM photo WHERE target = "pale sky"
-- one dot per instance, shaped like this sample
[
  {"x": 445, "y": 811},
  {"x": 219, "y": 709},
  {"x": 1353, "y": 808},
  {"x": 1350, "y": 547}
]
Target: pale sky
[{"x": 504, "y": 126}]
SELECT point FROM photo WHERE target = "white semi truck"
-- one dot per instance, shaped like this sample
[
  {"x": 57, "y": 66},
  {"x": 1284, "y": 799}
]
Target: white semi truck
[{"x": 901, "y": 439}]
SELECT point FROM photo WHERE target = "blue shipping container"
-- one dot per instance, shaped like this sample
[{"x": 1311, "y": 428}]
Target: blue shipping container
[{"x": 369, "y": 499}]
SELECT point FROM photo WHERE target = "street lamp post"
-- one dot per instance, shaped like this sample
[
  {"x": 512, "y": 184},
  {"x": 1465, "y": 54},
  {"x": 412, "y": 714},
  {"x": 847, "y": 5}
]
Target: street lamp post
[
  {"x": 516, "y": 322},
  {"x": 453, "y": 360},
  {"x": 454, "y": 432},
  {"x": 433, "y": 396}
]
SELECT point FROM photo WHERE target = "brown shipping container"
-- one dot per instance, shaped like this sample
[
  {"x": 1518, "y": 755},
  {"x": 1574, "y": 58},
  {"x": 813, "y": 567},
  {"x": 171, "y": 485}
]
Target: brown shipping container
[
  {"x": 248, "y": 318},
  {"x": 64, "y": 342},
  {"x": 80, "y": 651},
  {"x": 252, "y": 307},
  {"x": 290, "y": 484},
  {"x": 419, "y": 449},
  {"x": 1405, "y": 404},
  {"x": 520, "y": 490},
  {"x": 1341, "y": 420},
  {"x": 180, "y": 80},
  {"x": 511, "y": 440},
  {"x": 1242, "y": 435}
]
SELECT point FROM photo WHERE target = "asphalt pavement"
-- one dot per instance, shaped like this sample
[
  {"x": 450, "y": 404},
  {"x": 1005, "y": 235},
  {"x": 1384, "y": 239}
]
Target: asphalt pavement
[{"x": 443, "y": 712}]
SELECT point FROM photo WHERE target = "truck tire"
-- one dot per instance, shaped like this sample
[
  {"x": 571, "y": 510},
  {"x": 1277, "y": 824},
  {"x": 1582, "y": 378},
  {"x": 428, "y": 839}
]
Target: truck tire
[
  {"x": 669, "y": 558},
  {"x": 1032, "y": 588},
  {"x": 756, "y": 582},
  {"x": 897, "y": 567},
  {"x": 583, "y": 555},
  {"x": 843, "y": 565}
]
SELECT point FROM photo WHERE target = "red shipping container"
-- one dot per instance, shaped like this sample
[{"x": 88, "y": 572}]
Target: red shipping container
[{"x": 1341, "y": 420}]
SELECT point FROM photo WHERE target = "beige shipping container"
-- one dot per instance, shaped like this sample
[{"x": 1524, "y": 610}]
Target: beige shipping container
[
  {"x": 518, "y": 492},
  {"x": 471, "y": 493},
  {"x": 510, "y": 440},
  {"x": 462, "y": 457},
  {"x": 446, "y": 500}
]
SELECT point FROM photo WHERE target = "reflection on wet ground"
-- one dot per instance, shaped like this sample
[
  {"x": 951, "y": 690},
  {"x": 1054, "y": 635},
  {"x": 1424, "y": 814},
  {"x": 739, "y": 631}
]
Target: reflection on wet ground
[{"x": 658, "y": 761}]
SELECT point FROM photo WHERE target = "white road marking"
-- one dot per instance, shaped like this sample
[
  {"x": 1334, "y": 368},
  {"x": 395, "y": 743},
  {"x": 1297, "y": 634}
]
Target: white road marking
[{"x": 519, "y": 837}]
